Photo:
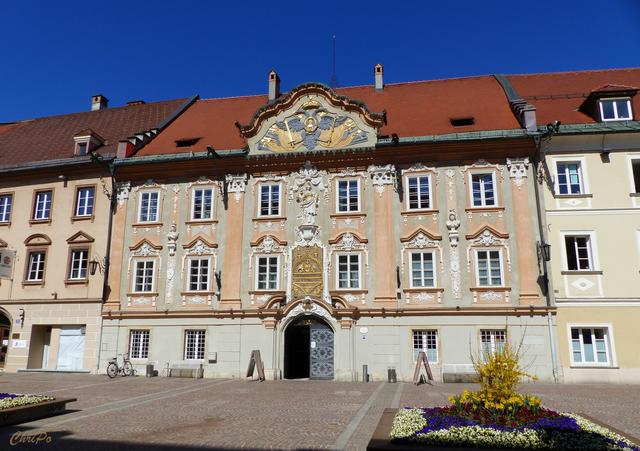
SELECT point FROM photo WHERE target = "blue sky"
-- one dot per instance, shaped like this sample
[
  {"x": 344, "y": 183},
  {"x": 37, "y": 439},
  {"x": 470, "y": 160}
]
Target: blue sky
[{"x": 55, "y": 55}]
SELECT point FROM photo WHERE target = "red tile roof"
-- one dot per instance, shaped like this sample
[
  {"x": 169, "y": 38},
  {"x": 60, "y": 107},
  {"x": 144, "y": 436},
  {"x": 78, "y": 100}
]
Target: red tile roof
[
  {"x": 413, "y": 109},
  {"x": 557, "y": 96},
  {"x": 51, "y": 138}
]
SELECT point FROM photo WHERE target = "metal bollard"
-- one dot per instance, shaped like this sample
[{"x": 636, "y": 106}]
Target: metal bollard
[{"x": 365, "y": 373}]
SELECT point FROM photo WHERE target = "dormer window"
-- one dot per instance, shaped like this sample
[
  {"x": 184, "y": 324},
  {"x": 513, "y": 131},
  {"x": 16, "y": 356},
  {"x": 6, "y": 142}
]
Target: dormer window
[
  {"x": 81, "y": 148},
  {"x": 616, "y": 109},
  {"x": 86, "y": 141}
]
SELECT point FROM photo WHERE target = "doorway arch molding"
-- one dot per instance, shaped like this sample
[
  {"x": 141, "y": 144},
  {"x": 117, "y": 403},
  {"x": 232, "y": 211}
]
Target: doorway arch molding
[{"x": 308, "y": 306}]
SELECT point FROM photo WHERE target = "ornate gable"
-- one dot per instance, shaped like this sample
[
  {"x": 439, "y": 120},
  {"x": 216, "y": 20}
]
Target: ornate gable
[{"x": 311, "y": 118}]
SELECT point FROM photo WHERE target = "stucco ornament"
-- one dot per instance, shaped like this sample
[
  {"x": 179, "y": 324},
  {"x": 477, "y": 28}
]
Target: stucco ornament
[
  {"x": 171, "y": 272},
  {"x": 422, "y": 297},
  {"x": 381, "y": 176},
  {"x": 268, "y": 246},
  {"x": 453, "y": 224},
  {"x": 201, "y": 248},
  {"x": 421, "y": 241},
  {"x": 490, "y": 296},
  {"x": 308, "y": 201},
  {"x": 236, "y": 184},
  {"x": 123, "y": 190},
  {"x": 145, "y": 251},
  {"x": 172, "y": 238},
  {"x": 518, "y": 170},
  {"x": 308, "y": 176},
  {"x": 309, "y": 307}
]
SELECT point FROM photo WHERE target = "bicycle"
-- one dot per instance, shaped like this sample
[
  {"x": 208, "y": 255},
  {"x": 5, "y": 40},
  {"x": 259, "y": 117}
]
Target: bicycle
[{"x": 113, "y": 369}]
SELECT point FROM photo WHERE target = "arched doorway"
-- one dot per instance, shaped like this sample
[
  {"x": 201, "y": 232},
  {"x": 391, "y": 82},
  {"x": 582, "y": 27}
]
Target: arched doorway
[
  {"x": 5, "y": 330},
  {"x": 308, "y": 349}
]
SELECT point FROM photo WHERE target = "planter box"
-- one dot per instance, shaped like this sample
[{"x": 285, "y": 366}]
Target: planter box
[
  {"x": 382, "y": 441},
  {"x": 24, "y": 414}
]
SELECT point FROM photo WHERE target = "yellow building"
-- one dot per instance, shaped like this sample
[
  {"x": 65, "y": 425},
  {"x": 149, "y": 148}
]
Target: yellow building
[{"x": 589, "y": 181}]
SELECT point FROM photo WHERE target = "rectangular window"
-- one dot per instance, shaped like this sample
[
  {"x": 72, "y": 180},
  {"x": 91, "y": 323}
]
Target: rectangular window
[
  {"x": 489, "y": 267},
  {"x": 202, "y": 204},
  {"x": 194, "y": 344},
  {"x": 590, "y": 345},
  {"x": 199, "y": 274},
  {"x": 143, "y": 281},
  {"x": 569, "y": 178},
  {"x": 579, "y": 256},
  {"x": 82, "y": 148},
  {"x": 35, "y": 270},
  {"x": 348, "y": 195},
  {"x": 483, "y": 190},
  {"x": 5, "y": 207},
  {"x": 268, "y": 273},
  {"x": 139, "y": 344},
  {"x": 270, "y": 200},
  {"x": 616, "y": 110},
  {"x": 149, "y": 206},
  {"x": 84, "y": 202},
  {"x": 349, "y": 271},
  {"x": 78, "y": 266},
  {"x": 427, "y": 341},
  {"x": 418, "y": 192},
  {"x": 635, "y": 168},
  {"x": 42, "y": 207},
  {"x": 492, "y": 341},
  {"x": 422, "y": 274}
]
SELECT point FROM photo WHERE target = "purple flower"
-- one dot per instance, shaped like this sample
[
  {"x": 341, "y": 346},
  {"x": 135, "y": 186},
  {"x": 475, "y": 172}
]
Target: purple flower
[{"x": 8, "y": 395}]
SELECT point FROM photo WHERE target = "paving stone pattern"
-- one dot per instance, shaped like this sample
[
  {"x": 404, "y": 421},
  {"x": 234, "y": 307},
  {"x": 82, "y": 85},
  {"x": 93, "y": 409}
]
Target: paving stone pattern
[{"x": 171, "y": 413}]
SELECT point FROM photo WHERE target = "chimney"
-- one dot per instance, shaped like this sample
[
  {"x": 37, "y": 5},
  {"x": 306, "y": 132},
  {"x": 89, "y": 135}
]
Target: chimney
[
  {"x": 377, "y": 70},
  {"x": 99, "y": 102},
  {"x": 274, "y": 86}
]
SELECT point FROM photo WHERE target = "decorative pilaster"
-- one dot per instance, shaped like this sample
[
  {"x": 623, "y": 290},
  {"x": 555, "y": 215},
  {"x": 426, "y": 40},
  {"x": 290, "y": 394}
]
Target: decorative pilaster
[
  {"x": 522, "y": 212},
  {"x": 232, "y": 262},
  {"x": 117, "y": 245},
  {"x": 383, "y": 179}
]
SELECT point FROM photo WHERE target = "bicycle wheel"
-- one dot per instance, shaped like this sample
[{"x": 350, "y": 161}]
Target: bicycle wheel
[
  {"x": 112, "y": 370},
  {"x": 127, "y": 369}
]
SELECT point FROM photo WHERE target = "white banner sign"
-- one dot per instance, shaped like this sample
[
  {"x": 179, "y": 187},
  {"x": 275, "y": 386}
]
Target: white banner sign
[{"x": 7, "y": 259}]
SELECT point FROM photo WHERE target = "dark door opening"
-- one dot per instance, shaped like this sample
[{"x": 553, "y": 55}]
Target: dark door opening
[{"x": 308, "y": 350}]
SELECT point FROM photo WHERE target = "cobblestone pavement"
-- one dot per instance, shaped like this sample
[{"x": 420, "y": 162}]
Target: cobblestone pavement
[{"x": 170, "y": 413}]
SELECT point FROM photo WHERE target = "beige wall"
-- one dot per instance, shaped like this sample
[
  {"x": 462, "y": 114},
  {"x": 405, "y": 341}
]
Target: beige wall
[{"x": 55, "y": 302}]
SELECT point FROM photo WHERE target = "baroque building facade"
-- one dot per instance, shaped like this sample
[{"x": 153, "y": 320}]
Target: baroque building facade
[{"x": 338, "y": 228}]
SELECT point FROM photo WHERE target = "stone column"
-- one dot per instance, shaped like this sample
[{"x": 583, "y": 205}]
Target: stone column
[
  {"x": 523, "y": 214},
  {"x": 383, "y": 179},
  {"x": 117, "y": 246},
  {"x": 232, "y": 263}
]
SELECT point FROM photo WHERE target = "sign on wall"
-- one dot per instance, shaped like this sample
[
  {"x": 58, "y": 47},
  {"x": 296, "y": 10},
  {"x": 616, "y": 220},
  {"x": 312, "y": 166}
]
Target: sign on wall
[{"x": 7, "y": 259}]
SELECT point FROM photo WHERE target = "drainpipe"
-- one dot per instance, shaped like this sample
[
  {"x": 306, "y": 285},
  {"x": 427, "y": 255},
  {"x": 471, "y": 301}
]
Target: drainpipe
[{"x": 539, "y": 159}]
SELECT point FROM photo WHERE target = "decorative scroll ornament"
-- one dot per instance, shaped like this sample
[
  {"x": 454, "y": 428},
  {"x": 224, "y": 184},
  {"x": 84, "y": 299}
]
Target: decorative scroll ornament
[
  {"x": 200, "y": 248},
  {"x": 308, "y": 307},
  {"x": 422, "y": 297},
  {"x": 236, "y": 184},
  {"x": 309, "y": 177},
  {"x": 487, "y": 239},
  {"x": 421, "y": 241},
  {"x": 268, "y": 246},
  {"x": 171, "y": 272},
  {"x": 490, "y": 296},
  {"x": 123, "y": 190},
  {"x": 145, "y": 251},
  {"x": 381, "y": 176},
  {"x": 518, "y": 170},
  {"x": 453, "y": 224}
]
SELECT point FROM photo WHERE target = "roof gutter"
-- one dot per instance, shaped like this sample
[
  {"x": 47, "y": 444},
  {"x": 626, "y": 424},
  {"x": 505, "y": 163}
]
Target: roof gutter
[{"x": 75, "y": 161}]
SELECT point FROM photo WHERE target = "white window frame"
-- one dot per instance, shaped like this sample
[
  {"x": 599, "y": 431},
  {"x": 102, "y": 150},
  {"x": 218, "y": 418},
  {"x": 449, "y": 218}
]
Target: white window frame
[
  {"x": 142, "y": 344},
  {"x": 135, "y": 275},
  {"x": 193, "y": 202},
  {"x": 615, "y": 109},
  {"x": 41, "y": 262},
  {"x": 493, "y": 340},
  {"x": 190, "y": 261},
  {"x": 584, "y": 179},
  {"x": 257, "y": 272},
  {"x": 348, "y": 180},
  {"x": 148, "y": 220},
  {"x": 6, "y": 207},
  {"x": 434, "y": 268},
  {"x": 609, "y": 343},
  {"x": 632, "y": 181},
  {"x": 483, "y": 200},
  {"x": 337, "y": 262},
  {"x": 200, "y": 341},
  {"x": 269, "y": 206},
  {"x": 79, "y": 269},
  {"x": 593, "y": 248},
  {"x": 429, "y": 184},
  {"x": 414, "y": 354},
  {"x": 38, "y": 215},
  {"x": 477, "y": 268},
  {"x": 86, "y": 204}
]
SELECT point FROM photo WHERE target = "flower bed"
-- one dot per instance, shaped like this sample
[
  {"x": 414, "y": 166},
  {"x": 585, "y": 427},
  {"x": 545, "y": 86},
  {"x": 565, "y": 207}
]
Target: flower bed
[
  {"x": 444, "y": 426},
  {"x": 11, "y": 400}
]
